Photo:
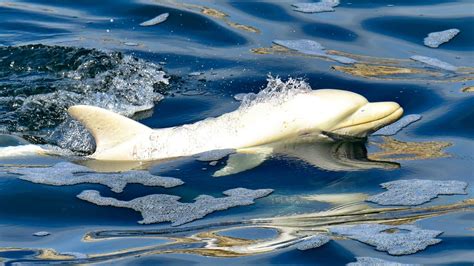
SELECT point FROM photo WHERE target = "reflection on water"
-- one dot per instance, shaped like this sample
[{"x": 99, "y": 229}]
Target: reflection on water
[
  {"x": 382, "y": 68},
  {"x": 96, "y": 52},
  {"x": 392, "y": 149},
  {"x": 207, "y": 241}
]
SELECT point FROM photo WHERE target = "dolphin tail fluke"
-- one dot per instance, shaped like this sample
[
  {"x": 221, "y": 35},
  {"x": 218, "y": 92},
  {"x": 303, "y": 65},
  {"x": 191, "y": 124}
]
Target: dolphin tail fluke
[{"x": 108, "y": 128}]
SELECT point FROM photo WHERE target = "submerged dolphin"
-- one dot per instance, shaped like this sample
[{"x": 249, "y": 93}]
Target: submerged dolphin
[{"x": 309, "y": 116}]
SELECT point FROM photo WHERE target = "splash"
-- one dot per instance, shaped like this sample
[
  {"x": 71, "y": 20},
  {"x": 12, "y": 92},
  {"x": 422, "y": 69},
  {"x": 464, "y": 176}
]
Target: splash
[
  {"x": 276, "y": 92},
  {"x": 40, "y": 82}
]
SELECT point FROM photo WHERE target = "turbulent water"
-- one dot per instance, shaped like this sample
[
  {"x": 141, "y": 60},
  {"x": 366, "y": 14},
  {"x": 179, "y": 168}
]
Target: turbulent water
[
  {"x": 403, "y": 195},
  {"x": 39, "y": 82}
]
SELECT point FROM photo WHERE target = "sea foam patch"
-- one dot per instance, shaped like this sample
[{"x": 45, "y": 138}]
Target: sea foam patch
[
  {"x": 434, "y": 62},
  {"x": 363, "y": 261},
  {"x": 65, "y": 173},
  {"x": 313, "y": 242},
  {"x": 416, "y": 191},
  {"x": 396, "y": 240},
  {"x": 322, "y": 6},
  {"x": 159, "y": 208},
  {"x": 394, "y": 128},
  {"x": 435, "y": 39},
  {"x": 156, "y": 20},
  {"x": 311, "y": 47},
  {"x": 42, "y": 233}
]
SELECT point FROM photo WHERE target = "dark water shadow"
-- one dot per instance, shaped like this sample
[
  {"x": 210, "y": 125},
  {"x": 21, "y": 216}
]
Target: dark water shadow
[
  {"x": 263, "y": 10},
  {"x": 415, "y": 29},
  {"x": 128, "y": 15},
  {"x": 457, "y": 121},
  {"x": 330, "y": 32},
  {"x": 327, "y": 254},
  {"x": 379, "y": 3}
]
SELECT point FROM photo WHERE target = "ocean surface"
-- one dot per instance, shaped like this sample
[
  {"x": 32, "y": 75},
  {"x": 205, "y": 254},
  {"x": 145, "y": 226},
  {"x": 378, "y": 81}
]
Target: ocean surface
[{"x": 199, "y": 63}]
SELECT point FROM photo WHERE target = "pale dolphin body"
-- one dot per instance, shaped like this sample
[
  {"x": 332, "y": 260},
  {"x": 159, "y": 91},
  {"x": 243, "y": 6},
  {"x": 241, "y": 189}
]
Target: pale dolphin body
[{"x": 310, "y": 116}]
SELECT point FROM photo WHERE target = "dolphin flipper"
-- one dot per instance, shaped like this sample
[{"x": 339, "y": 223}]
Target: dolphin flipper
[
  {"x": 108, "y": 128},
  {"x": 244, "y": 160}
]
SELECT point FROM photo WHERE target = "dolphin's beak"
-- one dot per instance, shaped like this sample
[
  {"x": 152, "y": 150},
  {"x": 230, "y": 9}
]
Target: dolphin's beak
[{"x": 369, "y": 118}]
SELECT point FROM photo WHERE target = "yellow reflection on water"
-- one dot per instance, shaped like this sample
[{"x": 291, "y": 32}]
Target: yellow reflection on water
[{"x": 396, "y": 150}]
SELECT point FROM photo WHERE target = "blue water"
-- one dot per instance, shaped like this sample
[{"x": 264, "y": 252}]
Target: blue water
[{"x": 192, "y": 41}]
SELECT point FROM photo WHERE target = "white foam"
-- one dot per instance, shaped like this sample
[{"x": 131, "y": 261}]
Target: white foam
[
  {"x": 311, "y": 47},
  {"x": 156, "y": 20},
  {"x": 65, "y": 173},
  {"x": 129, "y": 91},
  {"x": 68, "y": 76},
  {"x": 161, "y": 207},
  {"x": 322, "y": 6},
  {"x": 407, "y": 239},
  {"x": 195, "y": 74},
  {"x": 365, "y": 261},
  {"x": 41, "y": 233},
  {"x": 314, "y": 241},
  {"x": 276, "y": 92},
  {"x": 435, "y": 39},
  {"x": 394, "y": 128},
  {"x": 416, "y": 191},
  {"x": 434, "y": 62},
  {"x": 241, "y": 96},
  {"x": 131, "y": 44}
]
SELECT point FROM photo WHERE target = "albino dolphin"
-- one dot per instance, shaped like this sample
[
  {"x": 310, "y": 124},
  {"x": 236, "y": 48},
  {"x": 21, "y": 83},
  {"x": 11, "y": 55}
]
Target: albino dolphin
[{"x": 306, "y": 116}]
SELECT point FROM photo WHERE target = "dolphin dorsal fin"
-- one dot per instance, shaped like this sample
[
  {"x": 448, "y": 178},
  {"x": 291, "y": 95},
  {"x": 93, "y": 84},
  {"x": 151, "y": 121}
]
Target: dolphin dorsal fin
[{"x": 108, "y": 128}]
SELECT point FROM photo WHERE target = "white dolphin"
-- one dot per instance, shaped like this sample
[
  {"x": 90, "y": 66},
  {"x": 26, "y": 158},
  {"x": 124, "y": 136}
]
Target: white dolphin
[{"x": 307, "y": 116}]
